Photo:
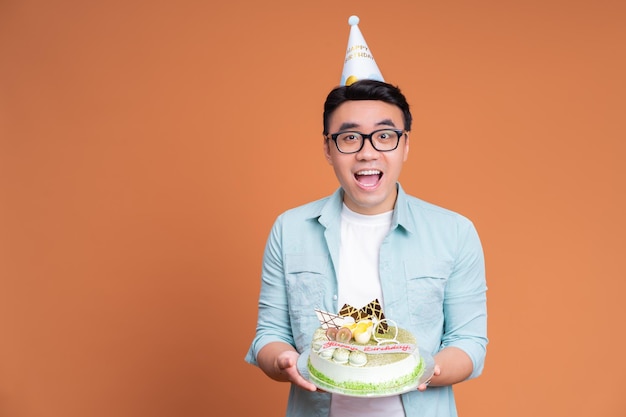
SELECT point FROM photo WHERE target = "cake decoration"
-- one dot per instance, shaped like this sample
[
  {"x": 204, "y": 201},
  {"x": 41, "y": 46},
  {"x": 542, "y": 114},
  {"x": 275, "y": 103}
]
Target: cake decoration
[
  {"x": 329, "y": 320},
  {"x": 373, "y": 310},
  {"x": 360, "y": 352},
  {"x": 358, "y": 326}
]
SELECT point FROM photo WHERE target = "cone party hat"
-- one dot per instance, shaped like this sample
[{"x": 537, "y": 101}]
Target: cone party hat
[{"x": 359, "y": 63}]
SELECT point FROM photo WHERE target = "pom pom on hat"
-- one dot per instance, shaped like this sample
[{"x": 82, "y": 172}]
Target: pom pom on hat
[{"x": 359, "y": 63}]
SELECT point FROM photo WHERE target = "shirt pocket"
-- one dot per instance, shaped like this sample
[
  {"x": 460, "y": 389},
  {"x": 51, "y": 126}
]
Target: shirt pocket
[
  {"x": 305, "y": 274},
  {"x": 426, "y": 280},
  {"x": 305, "y": 281}
]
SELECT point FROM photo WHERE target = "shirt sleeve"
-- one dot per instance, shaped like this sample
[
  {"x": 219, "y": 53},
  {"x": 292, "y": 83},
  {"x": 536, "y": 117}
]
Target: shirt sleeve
[
  {"x": 465, "y": 307},
  {"x": 273, "y": 323}
]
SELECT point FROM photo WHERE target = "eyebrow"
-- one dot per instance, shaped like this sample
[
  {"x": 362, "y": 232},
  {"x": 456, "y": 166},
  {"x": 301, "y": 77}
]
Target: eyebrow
[{"x": 352, "y": 125}]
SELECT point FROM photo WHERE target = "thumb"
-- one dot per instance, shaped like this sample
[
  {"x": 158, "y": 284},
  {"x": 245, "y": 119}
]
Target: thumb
[{"x": 284, "y": 363}]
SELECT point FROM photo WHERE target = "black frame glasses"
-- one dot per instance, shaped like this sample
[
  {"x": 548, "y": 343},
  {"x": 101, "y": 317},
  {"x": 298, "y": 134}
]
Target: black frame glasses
[{"x": 399, "y": 133}]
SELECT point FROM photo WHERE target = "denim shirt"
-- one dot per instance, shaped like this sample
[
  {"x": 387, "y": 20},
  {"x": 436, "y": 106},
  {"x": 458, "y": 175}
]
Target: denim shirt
[{"x": 432, "y": 275}]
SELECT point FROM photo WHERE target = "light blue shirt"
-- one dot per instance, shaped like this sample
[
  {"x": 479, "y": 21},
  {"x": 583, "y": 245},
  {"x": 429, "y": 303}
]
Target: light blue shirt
[{"x": 431, "y": 269}]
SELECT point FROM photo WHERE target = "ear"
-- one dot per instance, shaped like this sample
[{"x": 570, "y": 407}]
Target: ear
[
  {"x": 406, "y": 147},
  {"x": 327, "y": 151}
]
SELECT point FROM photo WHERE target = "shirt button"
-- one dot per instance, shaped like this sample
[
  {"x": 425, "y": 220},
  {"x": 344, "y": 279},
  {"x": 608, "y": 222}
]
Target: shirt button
[{"x": 335, "y": 297}]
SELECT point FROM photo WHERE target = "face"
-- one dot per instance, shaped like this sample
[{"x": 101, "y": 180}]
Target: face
[{"x": 367, "y": 177}]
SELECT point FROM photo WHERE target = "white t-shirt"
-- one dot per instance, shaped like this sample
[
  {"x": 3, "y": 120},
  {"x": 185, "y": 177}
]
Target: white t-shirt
[{"x": 358, "y": 284}]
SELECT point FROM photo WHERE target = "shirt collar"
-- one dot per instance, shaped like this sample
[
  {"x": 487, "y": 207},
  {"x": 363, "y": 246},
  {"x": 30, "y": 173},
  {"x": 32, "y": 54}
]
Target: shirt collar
[
  {"x": 401, "y": 212},
  {"x": 330, "y": 212}
]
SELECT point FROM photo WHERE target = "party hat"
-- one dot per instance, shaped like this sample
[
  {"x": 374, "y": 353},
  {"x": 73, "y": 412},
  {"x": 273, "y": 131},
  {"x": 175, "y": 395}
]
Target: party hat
[{"x": 359, "y": 63}]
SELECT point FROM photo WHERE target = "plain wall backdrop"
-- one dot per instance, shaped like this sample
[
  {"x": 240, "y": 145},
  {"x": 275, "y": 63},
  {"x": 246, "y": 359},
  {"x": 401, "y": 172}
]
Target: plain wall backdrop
[{"x": 147, "y": 147}]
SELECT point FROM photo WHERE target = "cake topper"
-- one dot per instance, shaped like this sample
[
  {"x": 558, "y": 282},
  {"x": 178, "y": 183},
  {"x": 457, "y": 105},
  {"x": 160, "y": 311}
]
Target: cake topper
[
  {"x": 349, "y": 314},
  {"x": 373, "y": 310},
  {"x": 329, "y": 320}
]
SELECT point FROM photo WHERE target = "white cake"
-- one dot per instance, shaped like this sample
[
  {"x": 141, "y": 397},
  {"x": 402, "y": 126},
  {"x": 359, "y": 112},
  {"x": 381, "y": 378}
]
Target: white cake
[{"x": 382, "y": 364}]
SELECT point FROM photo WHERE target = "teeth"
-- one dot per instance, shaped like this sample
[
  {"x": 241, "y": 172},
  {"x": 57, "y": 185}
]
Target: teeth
[{"x": 369, "y": 172}]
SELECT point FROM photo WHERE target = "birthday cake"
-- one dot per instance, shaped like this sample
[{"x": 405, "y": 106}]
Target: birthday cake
[{"x": 359, "y": 352}]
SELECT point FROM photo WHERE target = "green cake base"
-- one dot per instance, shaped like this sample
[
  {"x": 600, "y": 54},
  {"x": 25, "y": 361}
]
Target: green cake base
[{"x": 360, "y": 389}]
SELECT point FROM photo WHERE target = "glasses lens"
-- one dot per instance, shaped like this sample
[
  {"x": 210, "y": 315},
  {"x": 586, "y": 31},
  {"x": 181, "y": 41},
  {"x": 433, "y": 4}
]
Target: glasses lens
[
  {"x": 385, "y": 140},
  {"x": 349, "y": 141}
]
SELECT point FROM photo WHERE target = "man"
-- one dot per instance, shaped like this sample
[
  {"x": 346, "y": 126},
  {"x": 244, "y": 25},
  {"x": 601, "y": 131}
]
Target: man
[{"x": 370, "y": 240}]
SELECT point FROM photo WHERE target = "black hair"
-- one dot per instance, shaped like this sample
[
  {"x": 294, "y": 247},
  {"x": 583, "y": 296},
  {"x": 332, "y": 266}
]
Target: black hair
[{"x": 367, "y": 90}]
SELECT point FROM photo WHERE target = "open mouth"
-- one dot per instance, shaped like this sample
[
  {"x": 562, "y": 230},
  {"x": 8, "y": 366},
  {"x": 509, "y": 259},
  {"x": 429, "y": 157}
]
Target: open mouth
[{"x": 368, "y": 178}]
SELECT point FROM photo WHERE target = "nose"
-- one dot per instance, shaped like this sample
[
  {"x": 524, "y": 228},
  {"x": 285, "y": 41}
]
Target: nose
[{"x": 367, "y": 151}]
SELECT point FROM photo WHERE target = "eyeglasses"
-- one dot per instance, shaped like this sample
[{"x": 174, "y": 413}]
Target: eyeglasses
[{"x": 383, "y": 140}]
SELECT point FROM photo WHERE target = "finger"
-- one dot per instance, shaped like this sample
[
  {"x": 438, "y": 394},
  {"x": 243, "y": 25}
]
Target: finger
[
  {"x": 423, "y": 386},
  {"x": 303, "y": 383}
]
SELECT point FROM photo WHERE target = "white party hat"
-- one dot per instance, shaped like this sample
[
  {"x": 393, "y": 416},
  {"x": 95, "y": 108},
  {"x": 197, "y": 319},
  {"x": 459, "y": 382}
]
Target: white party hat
[{"x": 359, "y": 63}]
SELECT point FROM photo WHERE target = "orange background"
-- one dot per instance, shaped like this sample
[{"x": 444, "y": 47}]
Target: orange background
[{"x": 146, "y": 149}]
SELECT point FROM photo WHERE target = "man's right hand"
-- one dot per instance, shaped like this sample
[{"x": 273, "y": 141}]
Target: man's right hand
[
  {"x": 287, "y": 364},
  {"x": 280, "y": 362}
]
